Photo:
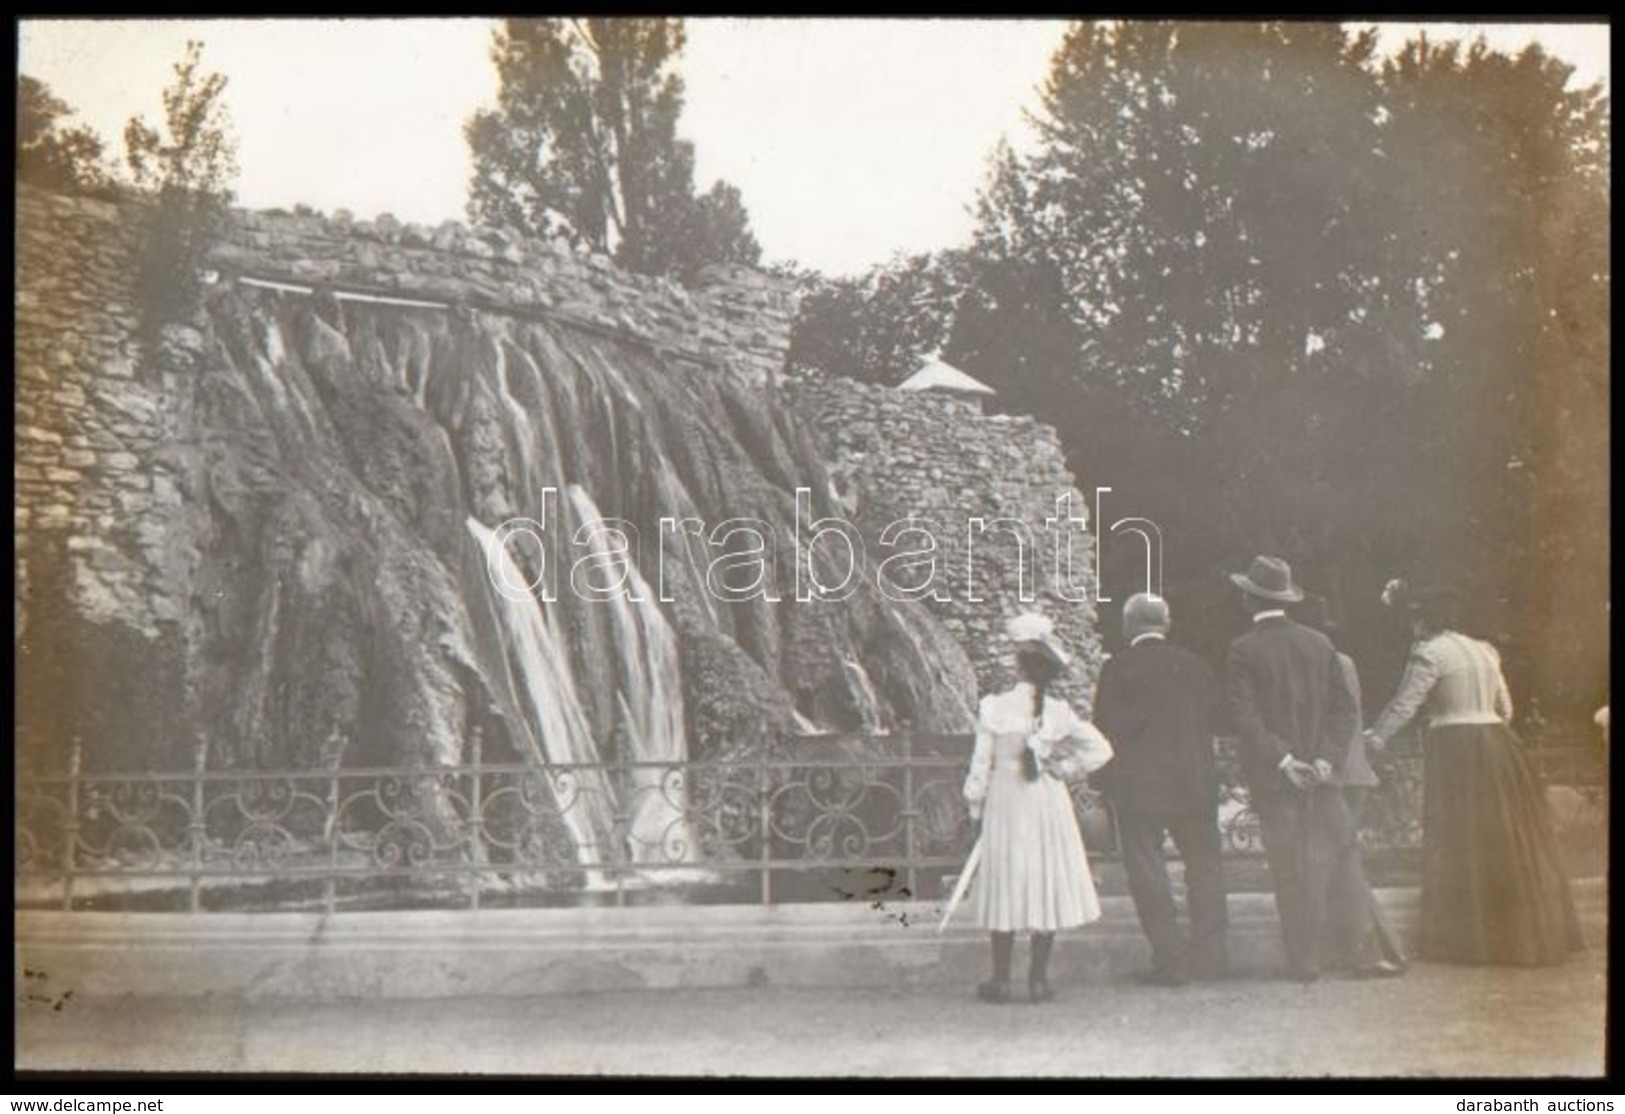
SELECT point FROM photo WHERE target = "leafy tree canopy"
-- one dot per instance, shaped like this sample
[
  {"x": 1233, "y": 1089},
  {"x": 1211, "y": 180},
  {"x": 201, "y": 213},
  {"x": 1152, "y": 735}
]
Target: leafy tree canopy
[
  {"x": 1284, "y": 296},
  {"x": 583, "y": 144},
  {"x": 188, "y": 167},
  {"x": 51, "y": 153}
]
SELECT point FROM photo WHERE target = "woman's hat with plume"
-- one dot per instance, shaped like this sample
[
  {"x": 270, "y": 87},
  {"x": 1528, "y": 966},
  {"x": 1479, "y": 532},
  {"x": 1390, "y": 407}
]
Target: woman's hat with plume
[{"x": 1031, "y": 629}]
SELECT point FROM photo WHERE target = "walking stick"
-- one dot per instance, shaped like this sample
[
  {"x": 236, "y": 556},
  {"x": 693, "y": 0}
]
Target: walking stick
[{"x": 963, "y": 884}]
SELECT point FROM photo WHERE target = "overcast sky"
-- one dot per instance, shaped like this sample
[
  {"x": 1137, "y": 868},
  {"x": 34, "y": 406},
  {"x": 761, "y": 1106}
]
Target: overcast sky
[{"x": 851, "y": 140}]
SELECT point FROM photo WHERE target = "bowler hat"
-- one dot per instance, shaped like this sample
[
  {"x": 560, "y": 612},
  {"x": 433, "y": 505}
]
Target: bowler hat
[{"x": 1269, "y": 578}]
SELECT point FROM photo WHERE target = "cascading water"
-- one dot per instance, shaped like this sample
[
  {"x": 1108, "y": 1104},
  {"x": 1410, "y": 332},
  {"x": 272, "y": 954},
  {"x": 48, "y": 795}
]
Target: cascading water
[
  {"x": 650, "y": 700},
  {"x": 553, "y": 724},
  {"x": 355, "y": 461}
]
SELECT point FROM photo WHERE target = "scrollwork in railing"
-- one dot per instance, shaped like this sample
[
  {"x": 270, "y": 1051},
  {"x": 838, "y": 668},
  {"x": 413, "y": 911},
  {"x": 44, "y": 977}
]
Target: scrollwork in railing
[
  {"x": 943, "y": 827},
  {"x": 710, "y": 813},
  {"x": 525, "y": 829},
  {"x": 1094, "y": 818},
  {"x": 134, "y": 825},
  {"x": 41, "y": 828},
  {"x": 262, "y": 823},
  {"x": 1390, "y": 815},
  {"x": 426, "y": 821},
  {"x": 835, "y": 805},
  {"x": 1238, "y": 822},
  {"x": 822, "y": 813}
]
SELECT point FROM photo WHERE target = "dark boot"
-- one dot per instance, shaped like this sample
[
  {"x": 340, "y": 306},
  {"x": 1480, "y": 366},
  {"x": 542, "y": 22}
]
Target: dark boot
[
  {"x": 1038, "y": 974},
  {"x": 997, "y": 989}
]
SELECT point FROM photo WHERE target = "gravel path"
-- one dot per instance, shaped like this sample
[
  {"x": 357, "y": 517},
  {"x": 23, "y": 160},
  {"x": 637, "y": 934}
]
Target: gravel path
[{"x": 1435, "y": 1021}]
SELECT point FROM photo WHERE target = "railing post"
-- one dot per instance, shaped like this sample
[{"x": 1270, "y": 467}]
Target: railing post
[
  {"x": 908, "y": 816},
  {"x": 70, "y": 845},
  {"x": 476, "y": 819},
  {"x": 765, "y": 825},
  {"x": 330, "y": 890},
  {"x": 196, "y": 831},
  {"x": 621, "y": 828}
]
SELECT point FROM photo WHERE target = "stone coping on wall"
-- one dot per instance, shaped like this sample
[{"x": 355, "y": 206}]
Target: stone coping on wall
[
  {"x": 734, "y": 317},
  {"x": 100, "y": 448}
]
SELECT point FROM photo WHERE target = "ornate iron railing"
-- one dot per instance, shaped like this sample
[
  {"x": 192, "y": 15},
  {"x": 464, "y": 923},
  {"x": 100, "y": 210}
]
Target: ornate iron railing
[{"x": 845, "y": 816}]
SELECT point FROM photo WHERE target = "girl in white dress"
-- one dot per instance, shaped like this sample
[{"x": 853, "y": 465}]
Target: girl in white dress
[{"x": 1034, "y": 875}]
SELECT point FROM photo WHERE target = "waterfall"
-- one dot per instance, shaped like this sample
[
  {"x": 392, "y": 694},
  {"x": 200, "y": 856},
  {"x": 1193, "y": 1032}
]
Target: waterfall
[
  {"x": 524, "y": 433},
  {"x": 556, "y": 725},
  {"x": 651, "y": 699},
  {"x": 867, "y": 700},
  {"x": 352, "y": 475},
  {"x": 268, "y": 369},
  {"x": 805, "y": 726},
  {"x": 649, "y": 695}
]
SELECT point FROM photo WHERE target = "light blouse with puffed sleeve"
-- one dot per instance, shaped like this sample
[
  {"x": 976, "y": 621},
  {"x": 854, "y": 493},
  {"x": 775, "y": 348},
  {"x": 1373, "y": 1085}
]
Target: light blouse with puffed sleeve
[
  {"x": 1467, "y": 673},
  {"x": 1067, "y": 745}
]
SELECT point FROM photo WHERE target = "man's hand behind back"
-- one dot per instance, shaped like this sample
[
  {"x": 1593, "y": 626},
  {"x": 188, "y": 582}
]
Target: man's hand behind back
[{"x": 1302, "y": 775}]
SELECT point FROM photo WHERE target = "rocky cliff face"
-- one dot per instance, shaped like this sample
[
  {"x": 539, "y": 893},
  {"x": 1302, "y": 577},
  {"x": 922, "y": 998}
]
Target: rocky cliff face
[
  {"x": 980, "y": 481},
  {"x": 100, "y": 579},
  {"x": 282, "y": 523},
  {"x": 284, "y": 536}
]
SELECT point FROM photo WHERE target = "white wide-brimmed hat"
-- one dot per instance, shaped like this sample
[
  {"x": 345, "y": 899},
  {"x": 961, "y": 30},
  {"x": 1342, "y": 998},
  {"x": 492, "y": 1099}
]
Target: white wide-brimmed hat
[{"x": 1032, "y": 629}]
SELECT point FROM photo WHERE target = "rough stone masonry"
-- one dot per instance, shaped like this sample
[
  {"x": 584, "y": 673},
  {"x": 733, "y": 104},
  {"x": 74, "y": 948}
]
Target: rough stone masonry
[
  {"x": 895, "y": 455},
  {"x": 103, "y": 460}
]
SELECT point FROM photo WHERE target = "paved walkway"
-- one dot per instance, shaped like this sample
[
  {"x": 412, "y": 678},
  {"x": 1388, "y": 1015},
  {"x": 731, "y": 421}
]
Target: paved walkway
[{"x": 1435, "y": 1021}]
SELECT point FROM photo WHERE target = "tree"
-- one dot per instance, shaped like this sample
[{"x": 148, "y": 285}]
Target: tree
[
  {"x": 1181, "y": 267},
  {"x": 876, "y": 327},
  {"x": 49, "y": 153},
  {"x": 1283, "y": 298},
  {"x": 188, "y": 170},
  {"x": 583, "y": 144},
  {"x": 1192, "y": 188},
  {"x": 718, "y": 232},
  {"x": 1510, "y": 230}
]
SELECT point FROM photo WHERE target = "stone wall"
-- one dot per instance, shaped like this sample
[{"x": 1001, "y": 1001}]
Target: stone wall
[
  {"x": 96, "y": 463},
  {"x": 737, "y": 317},
  {"x": 103, "y": 465},
  {"x": 894, "y": 454}
]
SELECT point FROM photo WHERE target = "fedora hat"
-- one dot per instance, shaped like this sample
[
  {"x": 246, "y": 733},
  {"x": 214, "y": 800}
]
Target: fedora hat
[
  {"x": 1269, "y": 578},
  {"x": 1032, "y": 629}
]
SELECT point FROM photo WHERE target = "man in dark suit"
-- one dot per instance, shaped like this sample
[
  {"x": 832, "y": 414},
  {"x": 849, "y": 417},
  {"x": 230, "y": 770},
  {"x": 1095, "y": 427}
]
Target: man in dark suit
[
  {"x": 1294, "y": 717},
  {"x": 1159, "y": 705},
  {"x": 1355, "y": 935}
]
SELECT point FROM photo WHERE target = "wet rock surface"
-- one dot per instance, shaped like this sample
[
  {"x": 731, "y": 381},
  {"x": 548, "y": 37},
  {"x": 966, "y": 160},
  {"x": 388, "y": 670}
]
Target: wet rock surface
[{"x": 268, "y": 541}]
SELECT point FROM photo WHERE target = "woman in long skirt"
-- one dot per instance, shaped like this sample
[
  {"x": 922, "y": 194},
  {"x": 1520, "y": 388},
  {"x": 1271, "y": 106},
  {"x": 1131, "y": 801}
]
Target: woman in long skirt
[
  {"x": 1493, "y": 887},
  {"x": 1034, "y": 875}
]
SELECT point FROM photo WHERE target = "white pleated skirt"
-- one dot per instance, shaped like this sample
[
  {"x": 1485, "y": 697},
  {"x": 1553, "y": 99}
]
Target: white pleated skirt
[{"x": 1034, "y": 875}]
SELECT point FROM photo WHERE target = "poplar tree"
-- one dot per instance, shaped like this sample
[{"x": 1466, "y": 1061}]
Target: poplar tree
[{"x": 583, "y": 145}]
